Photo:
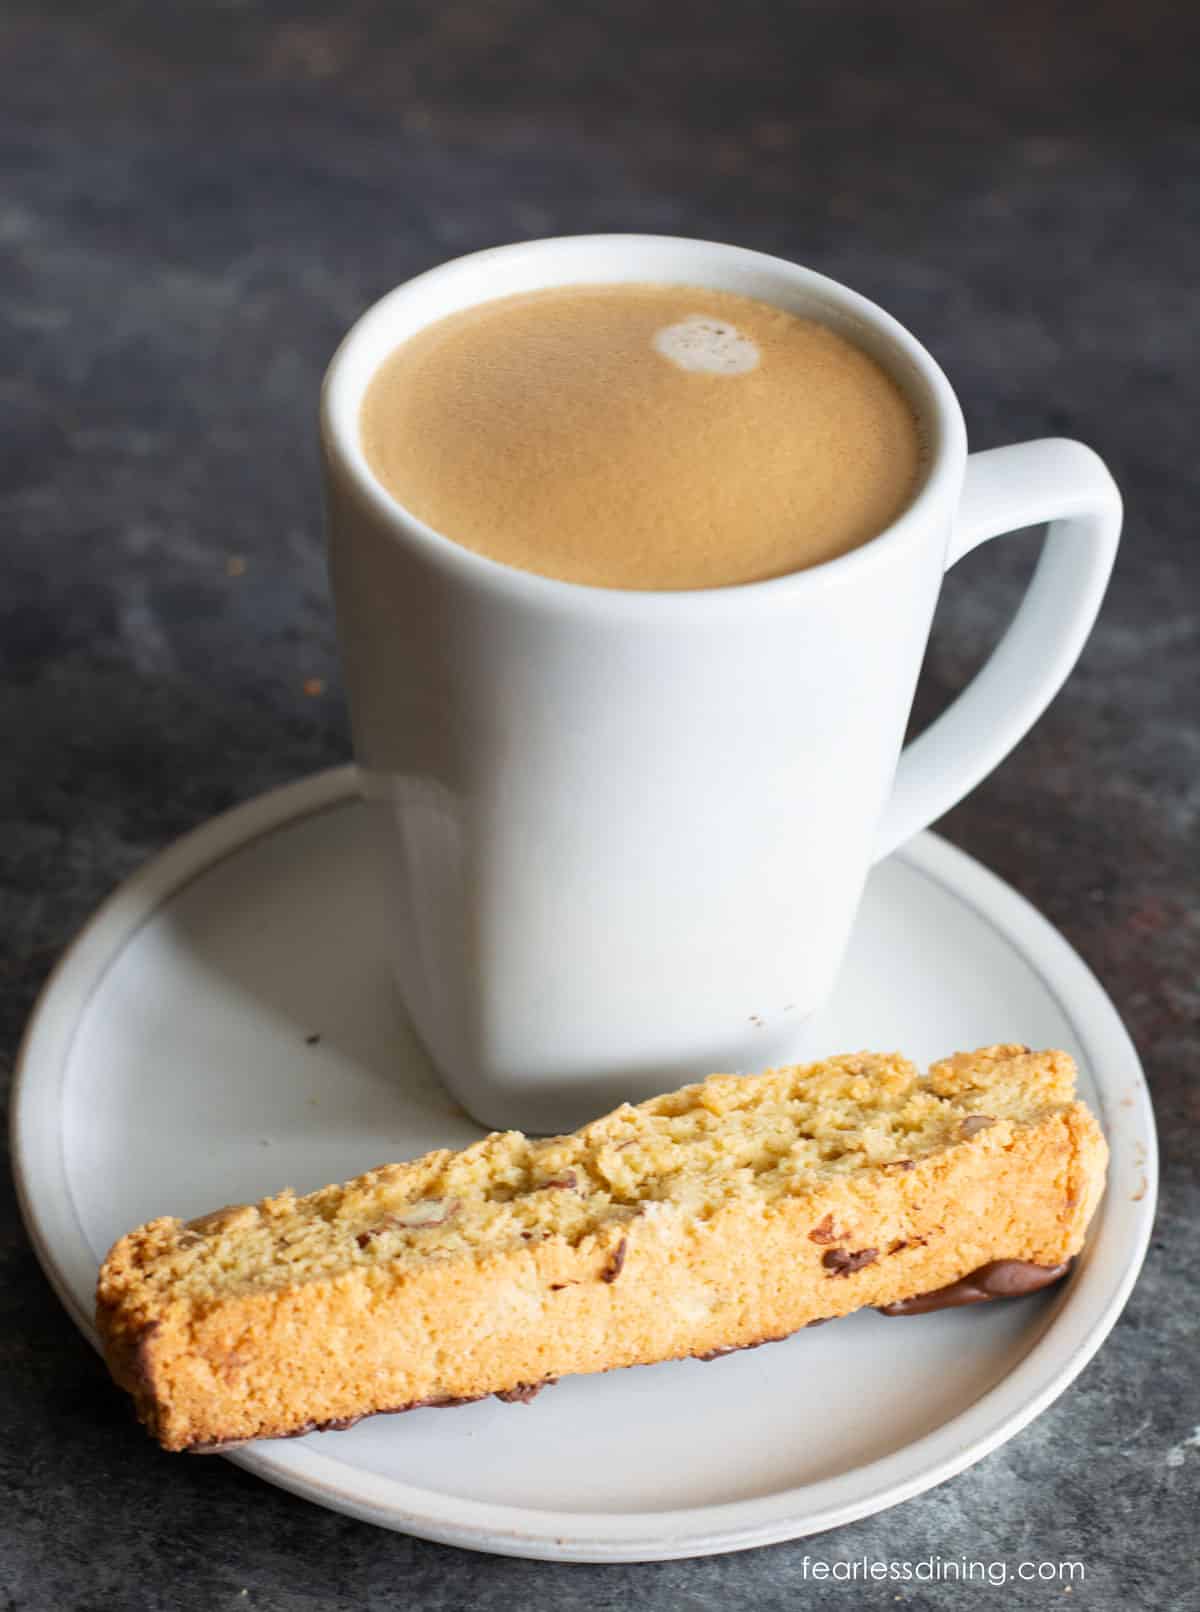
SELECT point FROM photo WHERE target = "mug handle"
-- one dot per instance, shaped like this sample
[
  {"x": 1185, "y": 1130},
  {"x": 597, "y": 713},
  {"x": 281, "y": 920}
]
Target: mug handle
[{"x": 1053, "y": 480}]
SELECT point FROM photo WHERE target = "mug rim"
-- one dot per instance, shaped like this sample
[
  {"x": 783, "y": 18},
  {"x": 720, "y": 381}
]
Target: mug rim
[{"x": 341, "y": 398}]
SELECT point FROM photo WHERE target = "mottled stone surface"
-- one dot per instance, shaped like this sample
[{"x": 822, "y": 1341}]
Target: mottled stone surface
[{"x": 195, "y": 204}]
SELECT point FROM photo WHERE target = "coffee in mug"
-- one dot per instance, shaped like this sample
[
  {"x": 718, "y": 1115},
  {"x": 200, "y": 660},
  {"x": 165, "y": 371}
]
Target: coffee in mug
[{"x": 642, "y": 436}]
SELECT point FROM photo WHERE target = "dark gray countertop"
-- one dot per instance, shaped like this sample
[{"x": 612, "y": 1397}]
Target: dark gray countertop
[{"x": 196, "y": 202}]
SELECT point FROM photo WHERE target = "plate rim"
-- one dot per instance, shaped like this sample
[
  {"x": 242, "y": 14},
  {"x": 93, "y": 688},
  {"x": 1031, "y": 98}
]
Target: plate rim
[{"x": 1070, "y": 1338}]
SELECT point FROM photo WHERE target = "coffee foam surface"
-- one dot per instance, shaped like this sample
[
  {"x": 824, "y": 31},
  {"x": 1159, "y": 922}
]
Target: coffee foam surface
[{"x": 641, "y": 436}]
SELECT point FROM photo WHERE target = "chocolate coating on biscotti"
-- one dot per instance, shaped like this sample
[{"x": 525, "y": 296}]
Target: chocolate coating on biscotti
[{"x": 998, "y": 1279}]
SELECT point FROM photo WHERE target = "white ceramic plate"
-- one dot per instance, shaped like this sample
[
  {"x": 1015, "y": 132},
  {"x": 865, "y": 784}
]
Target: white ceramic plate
[{"x": 170, "y": 1068}]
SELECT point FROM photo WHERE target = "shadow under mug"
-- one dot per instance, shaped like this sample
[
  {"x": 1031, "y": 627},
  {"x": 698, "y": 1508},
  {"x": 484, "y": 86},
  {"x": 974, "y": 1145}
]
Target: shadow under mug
[{"x": 623, "y": 835}]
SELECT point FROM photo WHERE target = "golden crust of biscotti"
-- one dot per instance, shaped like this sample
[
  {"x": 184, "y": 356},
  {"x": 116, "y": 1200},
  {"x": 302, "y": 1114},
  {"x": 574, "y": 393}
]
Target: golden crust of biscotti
[{"x": 401, "y": 1313}]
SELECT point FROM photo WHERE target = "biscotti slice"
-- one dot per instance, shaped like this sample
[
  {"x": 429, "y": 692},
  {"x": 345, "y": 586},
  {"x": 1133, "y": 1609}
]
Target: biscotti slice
[{"x": 717, "y": 1217}]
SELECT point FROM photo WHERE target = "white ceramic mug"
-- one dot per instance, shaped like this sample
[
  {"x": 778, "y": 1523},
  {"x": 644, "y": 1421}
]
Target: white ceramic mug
[{"x": 624, "y": 834}]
